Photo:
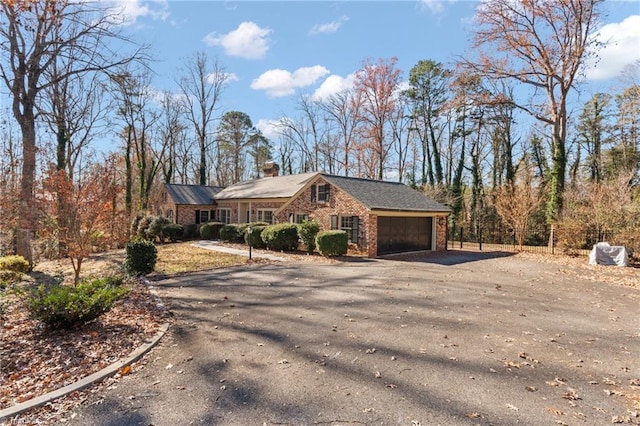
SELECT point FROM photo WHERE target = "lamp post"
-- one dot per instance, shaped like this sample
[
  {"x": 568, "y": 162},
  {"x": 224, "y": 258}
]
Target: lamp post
[{"x": 250, "y": 238}]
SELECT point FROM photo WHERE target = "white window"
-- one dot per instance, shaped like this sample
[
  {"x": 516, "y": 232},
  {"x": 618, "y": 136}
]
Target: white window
[
  {"x": 265, "y": 215},
  {"x": 349, "y": 224},
  {"x": 320, "y": 193},
  {"x": 204, "y": 216},
  {"x": 224, "y": 215},
  {"x": 301, "y": 217}
]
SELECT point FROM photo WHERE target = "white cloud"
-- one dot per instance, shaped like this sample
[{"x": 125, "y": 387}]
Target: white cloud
[
  {"x": 436, "y": 7},
  {"x": 622, "y": 48},
  {"x": 332, "y": 85},
  {"x": 248, "y": 41},
  {"x": 230, "y": 76},
  {"x": 328, "y": 28},
  {"x": 128, "y": 11},
  {"x": 278, "y": 83},
  {"x": 269, "y": 128}
]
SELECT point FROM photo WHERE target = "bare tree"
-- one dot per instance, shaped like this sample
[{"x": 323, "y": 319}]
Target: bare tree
[
  {"x": 377, "y": 84},
  {"x": 344, "y": 110},
  {"x": 543, "y": 45},
  {"x": 202, "y": 84},
  {"x": 35, "y": 35}
]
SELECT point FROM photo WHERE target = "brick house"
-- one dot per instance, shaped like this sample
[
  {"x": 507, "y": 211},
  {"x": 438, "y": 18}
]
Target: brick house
[
  {"x": 379, "y": 217},
  {"x": 188, "y": 204}
]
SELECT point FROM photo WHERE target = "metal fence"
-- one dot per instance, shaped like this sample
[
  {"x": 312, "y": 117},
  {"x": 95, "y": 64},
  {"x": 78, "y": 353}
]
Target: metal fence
[{"x": 543, "y": 240}]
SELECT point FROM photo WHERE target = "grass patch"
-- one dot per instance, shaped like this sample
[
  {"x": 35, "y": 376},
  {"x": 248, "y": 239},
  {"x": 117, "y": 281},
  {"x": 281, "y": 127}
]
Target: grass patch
[{"x": 183, "y": 257}]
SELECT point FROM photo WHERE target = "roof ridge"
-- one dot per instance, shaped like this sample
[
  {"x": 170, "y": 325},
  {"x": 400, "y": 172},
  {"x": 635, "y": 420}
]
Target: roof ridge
[{"x": 361, "y": 178}]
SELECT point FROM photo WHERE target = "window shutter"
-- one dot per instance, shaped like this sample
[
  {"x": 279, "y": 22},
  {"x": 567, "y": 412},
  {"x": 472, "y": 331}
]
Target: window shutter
[
  {"x": 212, "y": 215},
  {"x": 197, "y": 217},
  {"x": 327, "y": 187},
  {"x": 334, "y": 222},
  {"x": 354, "y": 229},
  {"x": 313, "y": 193}
]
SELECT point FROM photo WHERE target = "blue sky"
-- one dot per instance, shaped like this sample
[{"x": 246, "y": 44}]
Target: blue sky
[{"x": 276, "y": 50}]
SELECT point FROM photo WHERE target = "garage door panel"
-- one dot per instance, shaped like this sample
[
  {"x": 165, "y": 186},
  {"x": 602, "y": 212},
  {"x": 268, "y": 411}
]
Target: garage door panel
[{"x": 399, "y": 234}]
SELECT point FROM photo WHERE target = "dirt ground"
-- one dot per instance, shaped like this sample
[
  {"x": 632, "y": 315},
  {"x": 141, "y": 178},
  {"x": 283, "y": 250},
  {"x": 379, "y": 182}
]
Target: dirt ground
[{"x": 457, "y": 338}]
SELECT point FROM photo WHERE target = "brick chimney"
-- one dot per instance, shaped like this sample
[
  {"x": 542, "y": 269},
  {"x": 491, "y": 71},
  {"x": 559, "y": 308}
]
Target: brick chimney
[{"x": 270, "y": 169}]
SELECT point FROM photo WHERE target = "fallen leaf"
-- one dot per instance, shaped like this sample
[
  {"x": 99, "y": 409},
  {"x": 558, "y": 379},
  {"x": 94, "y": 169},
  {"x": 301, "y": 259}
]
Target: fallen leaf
[
  {"x": 370, "y": 351},
  {"x": 473, "y": 415},
  {"x": 531, "y": 388},
  {"x": 512, "y": 407},
  {"x": 125, "y": 370},
  {"x": 554, "y": 411}
]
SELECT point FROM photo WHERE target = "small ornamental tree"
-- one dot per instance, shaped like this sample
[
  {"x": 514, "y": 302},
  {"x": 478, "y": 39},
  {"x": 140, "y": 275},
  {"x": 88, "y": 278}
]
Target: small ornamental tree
[{"x": 80, "y": 214}]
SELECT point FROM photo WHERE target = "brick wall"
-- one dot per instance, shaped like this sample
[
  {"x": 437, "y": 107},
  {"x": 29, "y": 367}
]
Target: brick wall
[
  {"x": 441, "y": 233},
  {"x": 340, "y": 203}
]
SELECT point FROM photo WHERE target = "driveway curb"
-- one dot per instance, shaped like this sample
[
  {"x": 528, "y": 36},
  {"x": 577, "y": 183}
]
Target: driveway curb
[
  {"x": 87, "y": 381},
  {"x": 91, "y": 379}
]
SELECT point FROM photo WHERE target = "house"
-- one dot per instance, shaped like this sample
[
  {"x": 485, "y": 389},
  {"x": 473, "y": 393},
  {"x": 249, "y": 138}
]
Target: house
[
  {"x": 380, "y": 217},
  {"x": 188, "y": 204}
]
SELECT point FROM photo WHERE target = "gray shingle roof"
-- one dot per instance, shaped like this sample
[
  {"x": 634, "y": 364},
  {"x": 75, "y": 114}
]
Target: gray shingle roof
[
  {"x": 267, "y": 187},
  {"x": 382, "y": 195},
  {"x": 192, "y": 194}
]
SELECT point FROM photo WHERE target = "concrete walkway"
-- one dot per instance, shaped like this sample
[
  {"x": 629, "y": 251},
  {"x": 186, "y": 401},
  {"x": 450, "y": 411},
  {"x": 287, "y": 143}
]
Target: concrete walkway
[{"x": 214, "y": 245}]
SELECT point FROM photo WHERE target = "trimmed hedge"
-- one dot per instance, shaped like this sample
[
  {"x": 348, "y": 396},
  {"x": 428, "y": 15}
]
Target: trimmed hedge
[
  {"x": 307, "y": 232},
  {"x": 231, "y": 233},
  {"x": 172, "y": 232},
  {"x": 332, "y": 243},
  {"x": 68, "y": 307},
  {"x": 256, "y": 236},
  {"x": 210, "y": 230},
  {"x": 141, "y": 257},
  {"x": 281, "y": 237}
]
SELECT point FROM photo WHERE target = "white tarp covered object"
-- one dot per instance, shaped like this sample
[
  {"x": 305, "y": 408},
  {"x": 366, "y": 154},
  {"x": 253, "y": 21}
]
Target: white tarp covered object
[{"x": 604, "y": 254}]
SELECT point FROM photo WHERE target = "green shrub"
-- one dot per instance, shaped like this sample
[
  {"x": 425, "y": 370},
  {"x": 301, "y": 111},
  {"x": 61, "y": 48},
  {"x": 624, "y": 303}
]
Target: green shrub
[
  {"x": 210, "y": 230},
  {"x": 143, "y": 226},
  {"x": 307, "y": 232},
  {"x": 14, "y": 263},
  {"x": 191, "y": 230},
  {"x": 67, "y": 307},
  {"x": 256, "y": 239},
  {"x": 154, "y": 230},
  {"x": 172, "y": 232},
  {"x": 231, "y": 233},
  {"x": 283, "y": 236},
  {"x": 141, "y": 257},
  {"x": 332, "y": 243}
]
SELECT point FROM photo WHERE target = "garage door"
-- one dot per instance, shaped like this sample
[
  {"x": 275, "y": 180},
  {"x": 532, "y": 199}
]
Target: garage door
[{"x": 399, "y": 234}]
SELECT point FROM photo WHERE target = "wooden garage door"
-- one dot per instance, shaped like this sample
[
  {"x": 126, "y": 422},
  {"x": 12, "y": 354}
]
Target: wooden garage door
[{"x": 398, "y": 234}]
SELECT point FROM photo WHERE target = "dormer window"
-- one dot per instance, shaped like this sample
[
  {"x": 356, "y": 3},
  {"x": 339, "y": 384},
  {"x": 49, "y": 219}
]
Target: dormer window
[{"x": 320, "y": 193}]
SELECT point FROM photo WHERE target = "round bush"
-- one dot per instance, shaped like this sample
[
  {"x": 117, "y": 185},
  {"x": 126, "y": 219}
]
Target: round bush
[
  {"x": 210, "y": 230},
  {"x": 231, "y": 233},
  {"x": 332, "y": 243},
  {"x": 14, "y": 263},
  {"x": 256, "y": 239},
  {"x": 281, "y": 237},
  {"x": 141, "y": 257},
  {"x": 172, "y": 231}
]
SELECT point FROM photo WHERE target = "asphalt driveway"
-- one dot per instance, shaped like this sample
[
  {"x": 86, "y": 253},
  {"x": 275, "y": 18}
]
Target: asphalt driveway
[{"x": 453, "y": 339}]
